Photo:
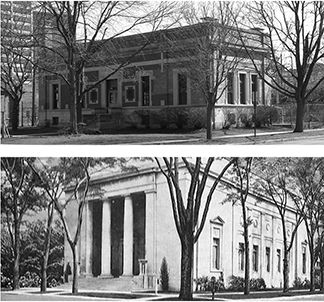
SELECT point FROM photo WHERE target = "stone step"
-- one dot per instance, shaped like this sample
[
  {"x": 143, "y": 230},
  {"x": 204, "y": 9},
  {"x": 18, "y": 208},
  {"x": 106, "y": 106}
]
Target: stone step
[{"x": 105, "y": 284}]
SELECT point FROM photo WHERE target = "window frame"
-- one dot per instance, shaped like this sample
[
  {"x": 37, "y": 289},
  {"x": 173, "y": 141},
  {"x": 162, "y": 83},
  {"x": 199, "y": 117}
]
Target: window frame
[
  {"x": 127, "y": 101},
  {"x": 268, "y": 258},
  {"x": 89, "y": 95},
  {"x": 58, "y": 105},
  {"x": 216, "y": 224},
  {"x": 279, "y": 260},
  {"x": 255, "y": 258},
  {"x": 241, "y": 256}
]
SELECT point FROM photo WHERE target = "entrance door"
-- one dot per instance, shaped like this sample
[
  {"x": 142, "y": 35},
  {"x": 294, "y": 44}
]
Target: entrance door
[
  {"x": 96, "y": 235},
  {"x": 139, "y": 231},
  {"x": 117, "y": 237}
]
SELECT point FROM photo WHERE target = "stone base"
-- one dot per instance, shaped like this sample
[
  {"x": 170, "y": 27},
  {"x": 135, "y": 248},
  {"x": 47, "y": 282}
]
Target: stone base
[{"x": 106, "y": 276}]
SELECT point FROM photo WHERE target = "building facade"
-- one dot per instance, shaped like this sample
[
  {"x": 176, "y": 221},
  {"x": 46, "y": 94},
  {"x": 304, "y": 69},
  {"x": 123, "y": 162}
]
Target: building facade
[
  {"x": 17, "y": 20},
  {"x": 154, "y": 81},
  {"x": 128, "y": 228}
]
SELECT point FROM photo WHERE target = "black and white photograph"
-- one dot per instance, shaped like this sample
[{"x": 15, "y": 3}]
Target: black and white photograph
[
  {"x": 162, "y": 150},
  {"x": 162, "y": 228},
  {"x": 85, "y": 72}
]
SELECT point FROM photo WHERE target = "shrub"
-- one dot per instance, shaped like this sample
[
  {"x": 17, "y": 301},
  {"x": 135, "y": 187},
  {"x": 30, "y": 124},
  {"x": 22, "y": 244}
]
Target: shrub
[
  {"x": 245, "y": 120},
  {"x": 257, "y": 284},
  {"x": 229, "y": 119},
  {"x": 164, "y": 275},
  {"x": 5, "y": 282},
  {"x": 180, "y": 117},
  {"x": 160, "y": 117},
  {"x": 197, "y": 118},
  {"x": 265, "y": 116},
  {"x": 29, "y": 280},
  {"x": 236, "y": 283},
  {"x": 299, "y": 284},
  {"x": 144, "y": 116}
]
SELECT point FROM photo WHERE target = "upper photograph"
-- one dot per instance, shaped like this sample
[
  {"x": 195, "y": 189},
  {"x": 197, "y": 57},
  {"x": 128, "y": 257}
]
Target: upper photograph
[{"x": 104, "y": 73}]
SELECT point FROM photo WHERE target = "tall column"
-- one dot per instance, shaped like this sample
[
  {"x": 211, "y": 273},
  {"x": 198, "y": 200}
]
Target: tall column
[
  {"x": 128, "y": 237},
  {"x": 106, "y": 239},
  {"x": 89, "y": 225},
  {"x": 150, "y": 200}
]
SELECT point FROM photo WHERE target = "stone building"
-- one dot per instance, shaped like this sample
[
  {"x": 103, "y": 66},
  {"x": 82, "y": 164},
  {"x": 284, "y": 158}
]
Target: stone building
[
  {"x": 128, "y": 228},
  {"x": 155, "y": 79},
  {"x": 17, "y": 21}
]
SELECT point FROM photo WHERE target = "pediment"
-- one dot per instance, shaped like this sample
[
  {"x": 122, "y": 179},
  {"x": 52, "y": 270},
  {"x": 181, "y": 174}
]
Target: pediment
[{"x": 217, "y": 220}]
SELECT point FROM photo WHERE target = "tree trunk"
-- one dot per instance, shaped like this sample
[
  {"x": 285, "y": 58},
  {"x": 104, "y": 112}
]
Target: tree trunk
[
  {"x": 300, "y": 115},
  {"x": 312, "y": 271},
  {"x": 187, "y": 247},
  {"x": 322, "y": 273},
  {"x": 43, "y": 286},
  {"x": 15, "y": 284},
  {"x": 286, "y": 271},
  {"x": 75, "y": 272},
  {"x": 247, "y": 262},
  {"x": 15, "y": 113},
  {"x": 209, "y": 121}
]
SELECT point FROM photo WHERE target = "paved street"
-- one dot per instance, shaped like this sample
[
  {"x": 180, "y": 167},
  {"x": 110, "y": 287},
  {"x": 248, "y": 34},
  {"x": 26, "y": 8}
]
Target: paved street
[
  {"x": 233, "y": 136},
  {"x": 53, "y": 295}
]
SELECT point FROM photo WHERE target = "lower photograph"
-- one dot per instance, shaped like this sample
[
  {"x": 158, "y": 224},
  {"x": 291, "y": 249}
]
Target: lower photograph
[{"x": 171, "y": 228}]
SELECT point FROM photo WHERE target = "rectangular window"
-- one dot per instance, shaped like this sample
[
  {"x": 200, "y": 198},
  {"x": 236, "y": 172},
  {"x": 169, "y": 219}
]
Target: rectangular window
[
  {"x": 268, "y": 258},
  {"x": 55, "y": 96},
  {"x": 145, "y": 81},
  {"x": 279, "y": 260},
  {"x": 216, "y": 248},
  {"x": 242, "y": 88},
  {"x": 111, "y": 95},
  {"x": 230, "y": 86},
  {"x": 241, "y": 256},
  {"x": 93, "y": 96},
  {"x": 254, "y": 83},
  {"x": 129, "y": 94},
  {"x": 255, "y": 258},
  {"x": 304, "y": 259},
  {"x": 182, "y": 89}
]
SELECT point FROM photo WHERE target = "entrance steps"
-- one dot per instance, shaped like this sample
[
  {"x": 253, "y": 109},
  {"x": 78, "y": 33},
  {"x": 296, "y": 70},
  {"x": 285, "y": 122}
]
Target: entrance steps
[{"x": 121, "y": 284}]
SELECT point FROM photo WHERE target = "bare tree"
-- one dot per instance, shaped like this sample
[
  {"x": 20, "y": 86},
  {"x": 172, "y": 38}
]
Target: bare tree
[
  {"x": 212, "y": 52},
  {"x": 16, "y": 58},
  {"x": 80, "y": 33},
  {"x": 190, "y": 214},
  {"x": 18, "y": 196},
  {"x": 309, "y": 177},
  {"x": 241, "y": 177},
  {"x": 293, "y": 34},
  {"x": 276, "y": 182}
]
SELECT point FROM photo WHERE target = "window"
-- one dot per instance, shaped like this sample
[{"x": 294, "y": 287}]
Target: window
[
  {"x": 93, "y": 96},
  {"x": 111, "y": 95},
  {"x": 279, "y": 260},
  {"x": 241, "y": 256},
  {"x": 255, "y": 258},
  {"x": 254, "y": 82},
  {"x": 182, "y": 89},
  {"x": 230, "y": 86},
  {"x": 268, "y": 258},
  {"x": 215, "y": 248},
  {"x": 129, "y": 94},
  {"x": 304, "y": 259},
  {"x": 145, "y": 82},
  {"x": 242, "y": 88},
  {"x": 55, "y": 96}
]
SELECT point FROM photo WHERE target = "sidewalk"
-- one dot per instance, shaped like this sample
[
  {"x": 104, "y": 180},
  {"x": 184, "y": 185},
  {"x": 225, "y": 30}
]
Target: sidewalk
[
  {"x": 232, "y": 136},
  {"x": 64, "y": 294}
]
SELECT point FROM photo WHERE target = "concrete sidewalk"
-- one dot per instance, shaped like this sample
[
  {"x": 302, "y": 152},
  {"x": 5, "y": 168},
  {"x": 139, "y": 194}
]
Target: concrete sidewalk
[{"x": 84, "y": 295}]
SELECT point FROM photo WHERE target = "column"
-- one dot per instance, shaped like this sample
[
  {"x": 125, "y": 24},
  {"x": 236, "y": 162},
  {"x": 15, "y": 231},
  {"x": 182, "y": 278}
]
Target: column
[
  {"x": 128, "y": 237},
  {"x": 88, "y": 239},
  {"x": 106, "y": 239},
  {"x": 150, "y": 200}
]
